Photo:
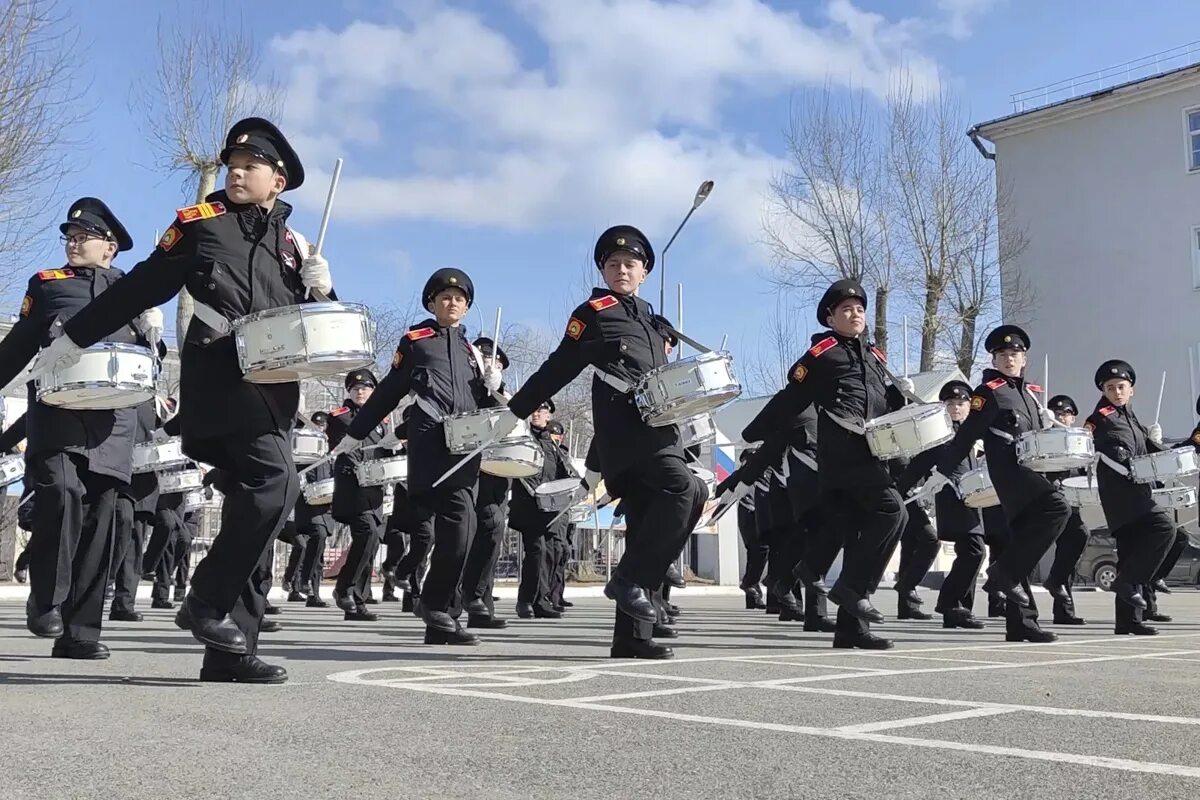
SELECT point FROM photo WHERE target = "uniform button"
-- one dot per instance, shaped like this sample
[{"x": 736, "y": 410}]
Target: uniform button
[
  {"x": 205, "y": 340},
  {"x": 212, "y": 285}
]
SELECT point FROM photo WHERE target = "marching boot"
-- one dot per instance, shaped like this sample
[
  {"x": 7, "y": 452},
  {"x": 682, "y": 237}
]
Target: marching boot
[
  {"x": 244, "y": 669},
  {"x": 861, "y": 641},
  {"x": 640, "y": 648},
  {"x": 74, "y": 648},
  {"x": 960, "y": 618},
  {"x": 458, "y": 636}
]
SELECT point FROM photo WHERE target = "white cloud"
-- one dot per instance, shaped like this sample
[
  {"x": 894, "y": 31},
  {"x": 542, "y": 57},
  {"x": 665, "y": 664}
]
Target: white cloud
[
  {"x": 962, "y": 14},
  {"x": 629, "y": 111}
]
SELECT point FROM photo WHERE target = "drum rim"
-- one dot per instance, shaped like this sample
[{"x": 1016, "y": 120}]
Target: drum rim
[
  {"x": 323, "y": 306},
  {"x": 711, "y": 355},
  {"x": 659, "y": 422},
  {"x": 574, "y": 483},
  {"x": 343, "y": 359},
  {"x": 128, "y": 391},
  {"x": 123, "y": 347},
  {"x": 926, "y": 410}
]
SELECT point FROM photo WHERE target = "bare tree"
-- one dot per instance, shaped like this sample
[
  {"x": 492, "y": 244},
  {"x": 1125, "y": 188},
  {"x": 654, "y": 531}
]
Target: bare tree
[
  {"x": 39, "y": 108},
  {"x": 829, "y": 216},
  {"x": 208, "y": 77},
  {"x": 782, "y": 339}
]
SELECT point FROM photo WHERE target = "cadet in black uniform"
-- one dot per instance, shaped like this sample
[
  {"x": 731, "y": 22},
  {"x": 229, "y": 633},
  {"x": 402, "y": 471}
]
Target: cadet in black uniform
[
  {"x": 436, "y": 362},
  {"x": 1071, "y": 544},
  {"x": 539, "y": 529},
  {"x": 565, "y": 536},
  {"x": 757, "y": 549},
  {"x": 74, "y": 460},
  {"x": 617, "y": 333},
  {"x": 360, "y": 507},
  {"x": 135, "y": 508},
  {"x": 315, "y": 523},
  {"x": 955, "y": 521},
  {"x": 1003, "y": 408},
  {"x": 491, "y": 509},
  {"x": 236, "y": 256},
  {"x": 845, "y": 377},
  {"x": 1144, "y": 532}
]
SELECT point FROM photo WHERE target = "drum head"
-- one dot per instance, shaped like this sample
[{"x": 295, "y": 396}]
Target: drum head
[
  {"x": 96, "y": 398},
  {"x": 509, "y": 468},
  {"x": 560, "y": 486}
]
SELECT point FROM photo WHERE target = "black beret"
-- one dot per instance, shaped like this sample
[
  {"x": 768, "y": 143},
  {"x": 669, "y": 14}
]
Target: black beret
[
  {"x": 1006, "y": 337},
  {"x": 361, "y": 376},
  {"x": 93, "y": 216},
  {"x": 1063, "y": 404},
  {"x": 487, "y": 347},
  {"x": 263, "y": 140},
  {"x": 955, "y": 390},
  {"x": 841, "y": 290},
  {"x": 555, "y": 427},
  {"x": 1114, "y": 368},
  {"x": 626, "y": 238},
  {"x": 448, "y": 278}
]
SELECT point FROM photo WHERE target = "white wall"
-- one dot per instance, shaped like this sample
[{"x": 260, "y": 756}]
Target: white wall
[{"x": 1108, "y": 206}]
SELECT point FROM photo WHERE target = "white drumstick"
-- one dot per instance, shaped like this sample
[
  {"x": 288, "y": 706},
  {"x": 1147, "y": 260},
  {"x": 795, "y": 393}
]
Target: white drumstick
[
  {"x": 496, "y": 340},
  {"x": 1162, "y": 387},
  {"x": 1046, "y": 378},
  {"x": 337, "y": 174},
  {"x": 724, "y": 339}
]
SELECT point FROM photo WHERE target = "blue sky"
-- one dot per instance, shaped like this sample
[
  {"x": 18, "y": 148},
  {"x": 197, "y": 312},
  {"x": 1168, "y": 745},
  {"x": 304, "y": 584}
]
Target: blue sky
[{"x": 502, "y": 136}]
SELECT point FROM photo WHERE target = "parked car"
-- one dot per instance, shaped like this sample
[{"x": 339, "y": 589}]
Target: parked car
[{"x": 1098, "y": 565}]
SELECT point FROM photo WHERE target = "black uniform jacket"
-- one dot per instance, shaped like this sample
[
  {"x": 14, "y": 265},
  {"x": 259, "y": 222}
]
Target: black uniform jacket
[
  {"x": 843, "y": 376},
  {"x": 440, "y": 367},
  {"x": 523, "y": 513},
  {"x": 350, "y": 499},
  {"x": 104, "y": 437},
  {"x": 620, "y": 336},
  {"x": 237, "y": 259},
  {"x": 1121, "y": 437},
  {"x": 954, "y": 520},
  {"x": 1002, "y": 409}
]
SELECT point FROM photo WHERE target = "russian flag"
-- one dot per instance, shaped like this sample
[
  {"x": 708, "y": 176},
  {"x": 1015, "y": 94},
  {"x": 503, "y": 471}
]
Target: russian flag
[{"x": 723, "y": 464}]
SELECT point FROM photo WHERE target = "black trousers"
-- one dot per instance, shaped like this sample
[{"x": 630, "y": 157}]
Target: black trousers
[
  {"x": 558, "y": 571},
  {"x": 420, "y": 544},
  {"x": 450, "y": 513},
  {"x": 534, "y": 588},
  {"x": 260, "y": 486},
  {"x": 662, "y": 501},
  {"x": 247, "y": 612},
  {"x": 479, "y": 570},
  {"x": 958, "y": 590},
  {"x": 757, "y": 550},
  {"x": 354, "y": 578},
  {"x": 295, "y": 560},
  {"x": 126, "y": 570},
  {"x": 918, "y": 548},
  {"x": 871, "y": 519},
  {"x": 1172, "y": 557},
  {"x": 312, "y": 568},
  {"x": 1142, "y": 546},
  {"x": 70, "y": 549},
  {"x": 1030, "y": 535},
  {"x": 1067, "y": 552}
]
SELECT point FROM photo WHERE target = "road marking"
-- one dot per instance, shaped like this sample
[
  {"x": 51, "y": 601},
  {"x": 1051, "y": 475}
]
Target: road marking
[{"x": 931, "y": 719}]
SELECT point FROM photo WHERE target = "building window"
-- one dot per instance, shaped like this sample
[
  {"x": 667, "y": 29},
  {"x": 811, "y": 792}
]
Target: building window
[{"x": 1193, "y": 125}]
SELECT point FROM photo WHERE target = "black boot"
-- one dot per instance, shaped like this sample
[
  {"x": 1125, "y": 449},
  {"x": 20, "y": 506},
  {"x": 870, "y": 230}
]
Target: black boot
[
  {"x": 819, "y": 624},
  {"x": 246, "y": 669},
  {"x": 1035, "y": 635},
  {"x": 124, "y": 615},
  {"x": 210, "y": 626},
  {"x": 861, "y": 641},
  {"x": 630, "y": 598},
  {"x": 640, "y": 648},
  {"x": 1136, "y": 629},
  {"x": 457, "y": 636},
  {"x": 294, "y": 596},
  {"x": 754, "y": 599},
  {"x": 48, "y": 624},
  {"x": 485, "y": 622},
  {"x": 674, "y": 579},
  {"x": 960, "y": 618},
  {"x": 854, "y": 605},
  {"x": 665, "y": 632},
  {"x": 525, "y": 610},
  {"x": 73, "y": 648},
  {"x": 270, "y": 626}
]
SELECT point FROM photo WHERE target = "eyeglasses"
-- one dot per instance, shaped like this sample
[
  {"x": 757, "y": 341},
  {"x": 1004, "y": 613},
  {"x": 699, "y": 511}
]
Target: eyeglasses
[{"x": 79, "y": 238}]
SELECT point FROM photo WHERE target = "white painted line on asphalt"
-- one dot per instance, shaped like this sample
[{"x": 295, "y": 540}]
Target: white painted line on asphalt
[
  {"x": 931, "y": 719},
  {"x": 803, "y": 664},
  {"x": 660, "y": 692},
  {"x": 1102, "y": 762},
  {"x": 939, "y": 658}
]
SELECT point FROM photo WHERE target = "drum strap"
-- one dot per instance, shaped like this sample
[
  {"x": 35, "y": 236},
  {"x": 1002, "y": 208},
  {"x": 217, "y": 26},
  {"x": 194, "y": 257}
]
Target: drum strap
[
  {"x": 1008, "y": 437},
  {"x": 209, "y": 316},
  {"x": 853, "y": 427},
  {"x": 1115, "y": 466},
  {"x": 428, "y": 407},
  {"x": 613, "y": 381},
  {"x": 805, "y": 459},
  {"x": 689, "y": 340}
]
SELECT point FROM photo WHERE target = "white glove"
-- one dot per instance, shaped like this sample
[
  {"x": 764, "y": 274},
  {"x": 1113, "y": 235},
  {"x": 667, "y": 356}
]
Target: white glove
[
  {"x": 905, "y": 385},
  {"x": 933, "y": 484},
  {"x": 591, "y": 479},
  {"x": 61, "y": 353},
  {"x": 492, "y": 375},
  {"x": 1048, "y": 418},
  {"x": 314, "y": 274},
  {"x": 390, "y": 441},
  {"x": 1156, "y": 433},
  {"x": 150, "y": 324},
  {"x": 346, "y": 445},
  {"x": 505, "y": 424}
]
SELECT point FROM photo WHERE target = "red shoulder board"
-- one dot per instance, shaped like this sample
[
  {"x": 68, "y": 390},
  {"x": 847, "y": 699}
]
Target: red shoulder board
[
  {"x": 200, "y": 211},
  {"x": 879, "y": 354},
  {"x": 821, "y": 346},
  {"x": 601, "y": 303},
  {"x": 1104, "y": 412},
  {"x": 996, "y": 384},
  {"x": 1033, "y": 387},
  {"x": 420, "y": 333},
  {"x": 337, "y": 412},
  {"x": 55, "y": 274}
]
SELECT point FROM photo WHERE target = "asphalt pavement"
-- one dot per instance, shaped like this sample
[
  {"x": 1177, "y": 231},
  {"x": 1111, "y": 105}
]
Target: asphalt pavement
[{"x": 750, "y": 707}]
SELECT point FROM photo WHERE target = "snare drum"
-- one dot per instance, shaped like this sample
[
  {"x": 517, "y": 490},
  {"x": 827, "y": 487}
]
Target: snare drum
[
  {"x": 559, "y": 495},
  {"x": 911, "y": 430},
  {"x": 311, "y": 340},
  {"x": 155, "y": 456},
  {"x": 308, "y": 445},
  {"x": 193, "y": 500},
  {"x": 521, "y": 459},
  {"x": 181, "y": 481},
  {"x": 1165, "y": 467},
  {"x": 707, "y": 475},
  {"x": 516, "y": 455},
  {"x": 12, "y": 469},
  {"x": 688, "y": 388},
  {"x": 976, "y": 489},
  {"x": 1055, "y": 449},
  {"x": 697, "y": 430},
  {"x": 318, "y": 493},
  {"x": 579, "y": 514},
  {"x": 379, "y": 471},
  {"x": 1175, "y": 497},
  {"x": 1081, "y": 491},
  {"x": 107, "y": 376}
]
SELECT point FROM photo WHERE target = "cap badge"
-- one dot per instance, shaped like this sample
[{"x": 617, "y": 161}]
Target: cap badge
[
  {"x": 851, "y": 292},
  {"x": 1008, "y": 338},
  {"x": 1114, "y": 370},
  {"x": 77, "y": 213},
  {"x": 620, "y": 241},
  {"x": 452, "y": 280},
  {"x": 245, "y": 137}
]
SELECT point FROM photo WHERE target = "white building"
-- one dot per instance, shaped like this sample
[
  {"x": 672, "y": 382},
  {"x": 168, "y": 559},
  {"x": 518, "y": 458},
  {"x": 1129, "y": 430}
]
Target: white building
[{"x": 1104, "y": 190}]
